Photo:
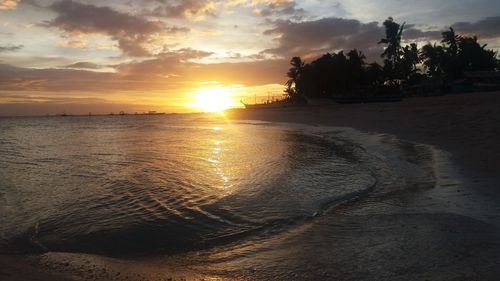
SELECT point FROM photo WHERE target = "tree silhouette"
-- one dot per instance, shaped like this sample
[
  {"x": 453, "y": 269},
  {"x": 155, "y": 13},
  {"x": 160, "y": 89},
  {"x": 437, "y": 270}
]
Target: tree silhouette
[
  {"x": 432, "y": 57},
  {"x": 392, "y": 52},
  {"x": 293, "y": 74},
  {"x": 375, "y": 74},
  {"x": 474, "y": 57},
  {"x": 410, "y": 59},
  {"x": 451, "y": 39},
  {"x": 456, "y": 55},
  {"x": 340, "y": 74},
  {"x": 334, "y": 74}
]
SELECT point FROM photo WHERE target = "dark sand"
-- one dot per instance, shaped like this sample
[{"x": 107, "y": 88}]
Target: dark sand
[{"x": 450, "y": 231}]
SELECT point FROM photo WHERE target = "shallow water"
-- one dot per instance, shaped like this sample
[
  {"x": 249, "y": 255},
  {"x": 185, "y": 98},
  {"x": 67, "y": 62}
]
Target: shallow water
[{"x": 155, "y": 185}]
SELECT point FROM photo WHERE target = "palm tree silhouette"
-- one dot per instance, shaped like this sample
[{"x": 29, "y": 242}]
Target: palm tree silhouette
[
  {"x": 409, "y": 61},
  {"x": 293, "y": 74},
  {"x": 451, "y": 39},
  {"x": 393, "y": 32},
  {"x": 432, "y": 57}
]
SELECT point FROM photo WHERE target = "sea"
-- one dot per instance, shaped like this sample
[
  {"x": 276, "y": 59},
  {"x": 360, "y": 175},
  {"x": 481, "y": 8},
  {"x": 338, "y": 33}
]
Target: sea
[{"x": 191, "y": 186}]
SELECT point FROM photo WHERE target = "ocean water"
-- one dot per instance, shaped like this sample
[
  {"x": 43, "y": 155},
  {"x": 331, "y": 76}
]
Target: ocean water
[{"x": 123, "y": 186}]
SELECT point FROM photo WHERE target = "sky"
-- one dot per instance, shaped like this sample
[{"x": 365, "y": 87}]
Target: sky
[{"x": 79, "y": 56}]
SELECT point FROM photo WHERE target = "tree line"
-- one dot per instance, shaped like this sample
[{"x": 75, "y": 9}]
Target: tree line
[{"x": 347, "y": 73}]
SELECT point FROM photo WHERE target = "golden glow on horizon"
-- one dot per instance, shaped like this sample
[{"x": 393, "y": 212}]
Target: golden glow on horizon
[{"x": 215, "y": 99}]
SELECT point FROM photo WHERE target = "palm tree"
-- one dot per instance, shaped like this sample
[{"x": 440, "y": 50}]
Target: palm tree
[
  {"x": 409, "y": 61},
  {"x": 474, "y": 57},
  {"x": 374, "y": 74},
  {"x": 356, "y": 58},
  {"x": 432, "y": 58},
  {"x": 293, "y": 74},
  {"x": 392, "y": 52},
  {"x": 356, "y": 66},
  {"x": 451, "y": 39}
]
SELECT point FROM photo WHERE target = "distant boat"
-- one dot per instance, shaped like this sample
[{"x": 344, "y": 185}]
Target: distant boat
[
  {"x": 276, "y": 104},
  {"x": 271, "y": 102},
  {"x": 153, "y": 113}
]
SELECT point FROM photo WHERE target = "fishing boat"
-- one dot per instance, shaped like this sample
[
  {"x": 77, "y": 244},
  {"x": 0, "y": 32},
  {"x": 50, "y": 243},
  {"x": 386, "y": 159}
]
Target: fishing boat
[{"x": 271, "y": 102}]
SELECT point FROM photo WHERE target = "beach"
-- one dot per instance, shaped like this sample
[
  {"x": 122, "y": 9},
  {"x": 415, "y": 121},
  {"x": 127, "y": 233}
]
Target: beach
[
  {"x": 442, "y": 223},
  {"x": 454, "y": 234},
  {"x": 465, "y": 125}
]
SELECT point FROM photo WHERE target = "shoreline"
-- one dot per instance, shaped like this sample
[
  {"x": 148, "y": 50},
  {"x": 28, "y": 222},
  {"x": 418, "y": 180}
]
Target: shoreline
[{"x": 466, "y": 125}]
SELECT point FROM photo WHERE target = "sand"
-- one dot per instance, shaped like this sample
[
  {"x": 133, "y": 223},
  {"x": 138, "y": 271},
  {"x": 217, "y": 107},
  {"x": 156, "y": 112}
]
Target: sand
[
  {"x": 447, "y": 232},
  {"x": 466, "y": 125}
]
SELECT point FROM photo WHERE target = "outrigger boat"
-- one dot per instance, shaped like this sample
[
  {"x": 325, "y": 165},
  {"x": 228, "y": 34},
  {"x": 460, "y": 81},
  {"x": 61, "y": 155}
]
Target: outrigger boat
[{"x": 271, "y": 102}]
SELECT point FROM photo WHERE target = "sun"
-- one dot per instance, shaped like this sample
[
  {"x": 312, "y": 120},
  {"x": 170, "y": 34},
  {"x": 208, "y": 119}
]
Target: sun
[{"x": 215, "y": 99}]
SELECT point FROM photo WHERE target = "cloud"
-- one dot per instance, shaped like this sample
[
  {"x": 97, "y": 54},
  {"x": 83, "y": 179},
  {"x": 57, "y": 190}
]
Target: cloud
[
  {"x": 8, "y": 4},
  {"x": 486, "y": 28},
  {"x": 84, "y": 65},
  {"x": 411, "y": 33},
  {"x": 278, "y": 7},
  {"x": 131, "y": 32},
  {"x": 196, "y": 9},
  {"x": 28, "y": 79},
  {"x": 311, "y": 38},
  {"x": 170, "y": 71},
  {"x": 179, "y": 67},
  {"x": 10, "y": 48},
  {"x": 165, "y": 64},
  {"x": 73, "y": 43}
]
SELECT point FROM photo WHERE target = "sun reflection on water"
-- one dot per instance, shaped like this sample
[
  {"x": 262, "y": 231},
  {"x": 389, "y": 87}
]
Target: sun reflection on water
[{"x": 216, "y": 160}]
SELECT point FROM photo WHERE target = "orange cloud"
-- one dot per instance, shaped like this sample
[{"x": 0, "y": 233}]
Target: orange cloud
[{"x": 8, "y": 4}]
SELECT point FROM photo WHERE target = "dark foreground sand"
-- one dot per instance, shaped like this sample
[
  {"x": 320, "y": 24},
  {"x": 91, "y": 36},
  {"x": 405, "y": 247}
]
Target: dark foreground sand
[{"x": 448, "y": 232}]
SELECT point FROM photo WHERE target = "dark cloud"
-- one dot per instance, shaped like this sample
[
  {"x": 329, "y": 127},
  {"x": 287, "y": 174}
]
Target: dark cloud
[
  {"x": 131, "y": 32},
  {"x": 10, "y": 48},
  {"x": 413, "y": 33},
  {"x": 486, "y": 28},
  {"x": 310, "y": 38}
]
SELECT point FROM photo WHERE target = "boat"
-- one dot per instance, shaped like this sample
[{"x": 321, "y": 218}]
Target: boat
[
  {"x": 267, "y": 105},
  {"x": 271, "y": 102},
  {"x": 153, "y": 113}
]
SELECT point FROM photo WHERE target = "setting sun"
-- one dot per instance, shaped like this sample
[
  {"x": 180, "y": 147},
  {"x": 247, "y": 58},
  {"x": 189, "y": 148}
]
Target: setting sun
[{"x": 214, "y": 99}]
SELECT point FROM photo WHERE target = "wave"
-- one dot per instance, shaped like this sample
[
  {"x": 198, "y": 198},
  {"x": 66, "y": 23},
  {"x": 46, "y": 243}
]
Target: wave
[{"x": 171, "y": 191}]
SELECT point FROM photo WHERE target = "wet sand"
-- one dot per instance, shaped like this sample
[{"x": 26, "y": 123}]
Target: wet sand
[
  {"x": 466, "y": 125},
  {"x": 449, "y": 230}
]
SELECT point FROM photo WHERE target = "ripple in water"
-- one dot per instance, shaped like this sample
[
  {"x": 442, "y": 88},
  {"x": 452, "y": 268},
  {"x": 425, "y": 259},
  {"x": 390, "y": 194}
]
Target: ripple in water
[{"x": 140, "y": 185}]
